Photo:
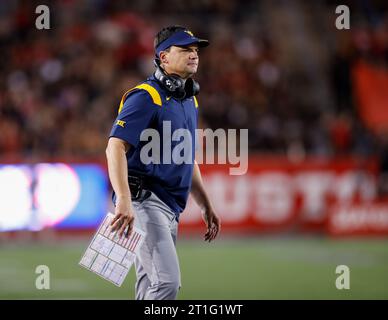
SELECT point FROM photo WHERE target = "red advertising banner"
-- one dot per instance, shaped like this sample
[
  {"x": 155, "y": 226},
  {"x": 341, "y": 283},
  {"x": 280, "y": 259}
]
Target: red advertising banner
[
  {"x": 359, "y": 219},
  {"x": 277, "y": 195},
  {"x": 337, "y": 196}
]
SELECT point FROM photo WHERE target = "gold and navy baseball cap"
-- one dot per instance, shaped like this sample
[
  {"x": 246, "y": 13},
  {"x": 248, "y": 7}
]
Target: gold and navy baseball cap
[{"x": 181, "y": 38}]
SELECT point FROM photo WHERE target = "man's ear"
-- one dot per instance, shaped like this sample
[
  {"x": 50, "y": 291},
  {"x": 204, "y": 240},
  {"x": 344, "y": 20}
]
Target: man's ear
[{"x": 164, "y": 57}]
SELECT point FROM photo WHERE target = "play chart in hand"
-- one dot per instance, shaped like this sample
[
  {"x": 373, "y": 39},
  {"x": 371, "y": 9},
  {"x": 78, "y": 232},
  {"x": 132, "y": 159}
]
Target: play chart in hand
[{"x": 109, "y": 255}]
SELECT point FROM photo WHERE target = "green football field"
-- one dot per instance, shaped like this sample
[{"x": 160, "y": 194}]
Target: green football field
[{"x": 254, "y": 268}]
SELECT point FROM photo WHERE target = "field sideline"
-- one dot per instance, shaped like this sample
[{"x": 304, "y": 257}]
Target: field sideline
[{"x": 254, "y": 268}]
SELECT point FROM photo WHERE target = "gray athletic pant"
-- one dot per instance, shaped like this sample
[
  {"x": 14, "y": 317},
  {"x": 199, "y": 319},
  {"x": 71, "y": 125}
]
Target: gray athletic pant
[{"x": 157, "y": 265}]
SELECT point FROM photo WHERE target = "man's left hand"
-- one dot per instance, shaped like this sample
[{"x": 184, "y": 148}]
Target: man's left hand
[{"x": 213, "y": 224}]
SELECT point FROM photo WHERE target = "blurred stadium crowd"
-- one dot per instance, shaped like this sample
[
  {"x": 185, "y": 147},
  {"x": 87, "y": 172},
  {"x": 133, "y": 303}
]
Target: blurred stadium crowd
[{"x": 278, "y": 68}]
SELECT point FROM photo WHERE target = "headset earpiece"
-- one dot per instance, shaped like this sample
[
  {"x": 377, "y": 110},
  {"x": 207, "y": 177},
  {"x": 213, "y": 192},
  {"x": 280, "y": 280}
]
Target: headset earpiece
[
  {"x": 174, "y": 84},
  {"x": 191, "y": 87}
]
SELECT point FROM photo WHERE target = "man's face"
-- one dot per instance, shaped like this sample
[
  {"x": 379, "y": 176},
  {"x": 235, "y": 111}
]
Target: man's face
[{"x": 182, "y": 61}]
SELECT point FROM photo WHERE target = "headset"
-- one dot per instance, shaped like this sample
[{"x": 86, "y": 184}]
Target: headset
[{"x": 174, "y": 84}]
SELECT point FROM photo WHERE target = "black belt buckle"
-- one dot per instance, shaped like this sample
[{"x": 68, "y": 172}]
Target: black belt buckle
[{"x": 136, "y": 186}]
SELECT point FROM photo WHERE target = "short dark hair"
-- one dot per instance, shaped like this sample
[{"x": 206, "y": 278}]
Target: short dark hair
[{"x": 166, "y": 33}]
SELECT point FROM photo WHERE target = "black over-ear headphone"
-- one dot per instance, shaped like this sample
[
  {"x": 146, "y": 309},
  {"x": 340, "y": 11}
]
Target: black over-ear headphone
[{"x": 174, "y": 84}]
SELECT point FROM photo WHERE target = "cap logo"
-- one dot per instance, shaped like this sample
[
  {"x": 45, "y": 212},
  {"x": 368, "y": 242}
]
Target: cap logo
[{"x": 189, "y": 32}]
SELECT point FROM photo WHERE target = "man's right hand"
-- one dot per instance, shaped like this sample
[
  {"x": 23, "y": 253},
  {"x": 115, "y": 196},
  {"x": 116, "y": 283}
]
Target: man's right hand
[{"x": 123, "y": 217}]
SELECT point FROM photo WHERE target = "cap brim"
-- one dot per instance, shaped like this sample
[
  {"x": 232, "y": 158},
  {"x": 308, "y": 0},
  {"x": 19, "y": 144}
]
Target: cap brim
[
  {"x": 203, "y": 43},
  {"x": 200, "y": 42}
]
